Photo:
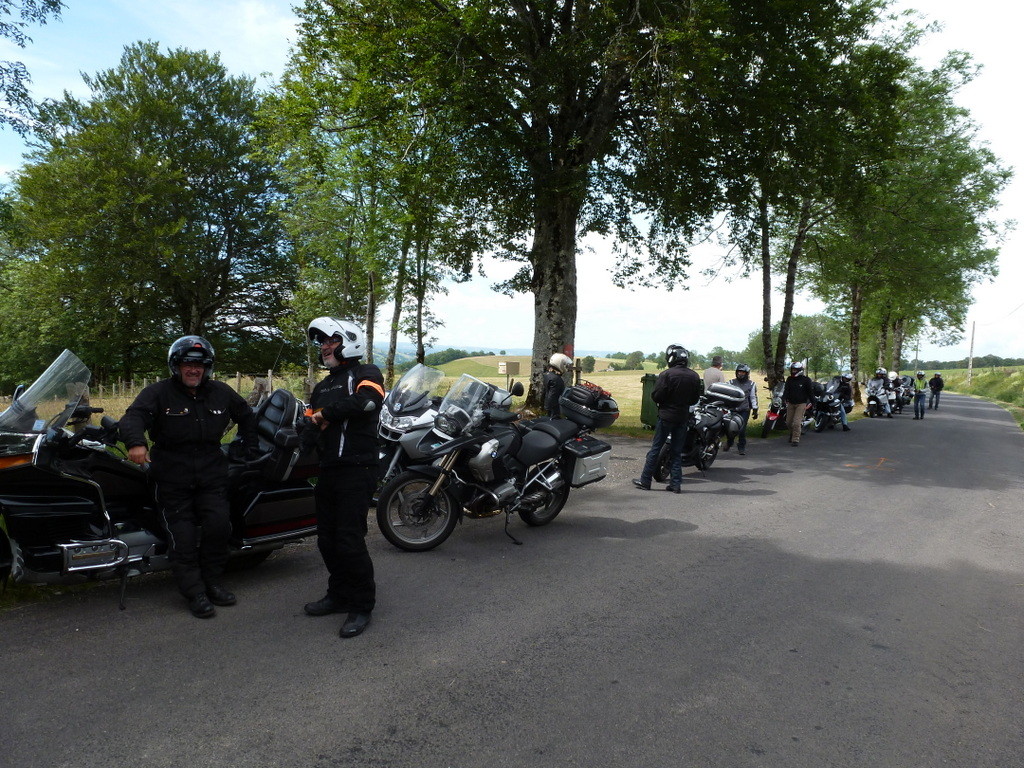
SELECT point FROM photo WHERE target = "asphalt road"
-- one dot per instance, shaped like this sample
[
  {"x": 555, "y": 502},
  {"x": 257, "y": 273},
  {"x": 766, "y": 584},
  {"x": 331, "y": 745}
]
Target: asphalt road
[{"x": 856, "y": 601}]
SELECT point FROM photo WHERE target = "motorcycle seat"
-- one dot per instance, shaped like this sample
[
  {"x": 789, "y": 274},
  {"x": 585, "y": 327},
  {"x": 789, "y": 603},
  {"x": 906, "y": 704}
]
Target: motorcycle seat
[
  {"x": 560, "y": 429},
  {"x": 279, "y": 411}
]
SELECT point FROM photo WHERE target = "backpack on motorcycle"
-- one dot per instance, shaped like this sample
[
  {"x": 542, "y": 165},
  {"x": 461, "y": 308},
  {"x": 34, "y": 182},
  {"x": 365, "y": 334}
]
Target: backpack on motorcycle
[{"x": 589, "y": 406}]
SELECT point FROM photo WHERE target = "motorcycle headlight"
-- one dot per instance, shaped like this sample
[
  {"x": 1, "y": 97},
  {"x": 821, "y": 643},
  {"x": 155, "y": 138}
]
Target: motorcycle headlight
[
  {"x": 396, "y": 423},
  {"x": 448, "y": 425}
]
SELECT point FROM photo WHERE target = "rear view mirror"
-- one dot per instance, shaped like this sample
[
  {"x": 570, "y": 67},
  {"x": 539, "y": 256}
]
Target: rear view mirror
[{"x": 517, "y": 389}]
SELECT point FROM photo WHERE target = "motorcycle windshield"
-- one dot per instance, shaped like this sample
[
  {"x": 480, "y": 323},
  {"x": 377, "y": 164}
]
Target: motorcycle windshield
[
  {"x": 52, "y": 398},
  {"x": 463, "y": 406},
  {"x": 413, "y": 390}
]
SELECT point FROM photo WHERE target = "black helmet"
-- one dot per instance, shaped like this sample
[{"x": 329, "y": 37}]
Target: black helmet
[
  {"x": 742, "y": 368},
  {"x": 192, "y": 349},
  {"x": 676, "y": 355}
]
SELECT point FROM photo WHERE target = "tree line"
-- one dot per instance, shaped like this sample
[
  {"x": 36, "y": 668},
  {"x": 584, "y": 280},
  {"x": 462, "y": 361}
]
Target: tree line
[{"x": 177, "y": 198}]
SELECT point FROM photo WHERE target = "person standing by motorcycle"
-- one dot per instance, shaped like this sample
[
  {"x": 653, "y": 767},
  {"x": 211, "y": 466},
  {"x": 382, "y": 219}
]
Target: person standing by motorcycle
[
  {"x": 676, "y": 390},
  {"x": 844, "y": 392},
  {"x": 186, "y": 416},
  {"x": 714, "y": 374},
  {"x": 554, "y": 383},
  {"x": 746, "y": 410},
  {"x": 935, "y": 385},
  {"x": 346, "y": 408},
  {"x": 797, "y": 393},
  {"x": 920, "y": 390}
]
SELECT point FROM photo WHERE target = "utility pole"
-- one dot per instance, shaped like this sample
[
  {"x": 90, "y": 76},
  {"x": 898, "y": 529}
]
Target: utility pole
[{"x": 970, "y": 358}]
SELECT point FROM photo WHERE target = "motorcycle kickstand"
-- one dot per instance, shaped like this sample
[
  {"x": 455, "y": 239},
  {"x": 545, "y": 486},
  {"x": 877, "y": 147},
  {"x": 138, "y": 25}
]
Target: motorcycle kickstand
[
  {"x": 508, "y": 516},
  {"x": 124, "y": 588}
]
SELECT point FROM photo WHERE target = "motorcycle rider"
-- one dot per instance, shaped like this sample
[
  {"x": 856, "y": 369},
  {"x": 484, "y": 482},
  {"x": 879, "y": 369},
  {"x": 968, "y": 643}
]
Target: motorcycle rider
[
  {"x": 797, "y": 393},
  {"x": 186, "y": 415},
  {"x": 935, "y": 384},
  {"x": 845, "y": 394},
  {"x": 748, "y": 409},
  {"x": 346, "y": 407},
  {"x": 920, "y": 390},
  {"x": 677, "y": 389},
  {"x": 880, "y": 384},
  {"x": 554, "y": 383}
]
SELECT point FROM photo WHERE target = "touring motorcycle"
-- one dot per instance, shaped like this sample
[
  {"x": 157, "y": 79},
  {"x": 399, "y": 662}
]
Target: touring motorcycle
[
  {"x": 407, "y": 414},
  {"x": 712, "y": 418},
  {"x": 827, "y": 405},
  {"x": 73, "y": 507},
  {"x": 480, "y": 460}
]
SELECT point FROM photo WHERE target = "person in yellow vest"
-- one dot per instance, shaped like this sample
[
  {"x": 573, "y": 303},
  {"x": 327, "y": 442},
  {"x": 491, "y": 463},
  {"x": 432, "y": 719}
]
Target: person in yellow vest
[{"x": 920, "y": 391}]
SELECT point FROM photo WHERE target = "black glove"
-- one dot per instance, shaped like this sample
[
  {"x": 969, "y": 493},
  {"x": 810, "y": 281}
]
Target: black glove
[{"x": 753, "y": 414}]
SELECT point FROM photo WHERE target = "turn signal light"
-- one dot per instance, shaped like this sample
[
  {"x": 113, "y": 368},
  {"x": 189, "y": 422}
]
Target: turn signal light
[{"x": 6, "y": 462}]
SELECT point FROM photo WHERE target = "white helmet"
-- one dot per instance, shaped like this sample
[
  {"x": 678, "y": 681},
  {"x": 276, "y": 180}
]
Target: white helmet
[
  {"x": 351, "y": 336},
  {"x": 560, "y": 362},
  {"x": 892, "y": 375}
]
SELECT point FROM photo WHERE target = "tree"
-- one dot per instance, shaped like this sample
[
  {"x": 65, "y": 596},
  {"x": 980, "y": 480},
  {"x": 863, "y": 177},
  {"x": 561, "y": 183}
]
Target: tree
[
  {"x": 563, "y": 115},
  {"x": 634, "y": 361},
  {"x": 170, "y": 229},
  {"x": 809, "y": 98},
  {"x": 15, "y": 16},
  {"x": 588, "y": 364},
  {"x": 905, "y": 258}
]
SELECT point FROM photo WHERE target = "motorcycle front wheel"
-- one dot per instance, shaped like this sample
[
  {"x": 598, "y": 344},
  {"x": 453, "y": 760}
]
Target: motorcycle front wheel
[
  {"x": 410, "y": 519},
  {"x": 708, "y": 454},
  {"x": 545, "y": 514},
  {"x": 768, "y": 426}
]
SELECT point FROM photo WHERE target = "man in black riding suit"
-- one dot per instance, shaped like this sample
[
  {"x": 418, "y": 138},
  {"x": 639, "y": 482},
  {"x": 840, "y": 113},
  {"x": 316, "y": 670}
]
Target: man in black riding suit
[
  {"x": 798, "y": 392},
  {"x": 186, "y": 416},
  {"x": 554, "y": 383},
  {"x": 676, "y": 390},
  {"x": 346, "y": 408}
]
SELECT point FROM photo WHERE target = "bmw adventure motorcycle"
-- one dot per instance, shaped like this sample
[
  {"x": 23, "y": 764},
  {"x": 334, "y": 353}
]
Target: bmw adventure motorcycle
[
  {"x": 480, "y": 460},
  {"x": 73, "y": 507},
  {"x": 407, "y": 414},
  {"x": 712, "y": 418}
]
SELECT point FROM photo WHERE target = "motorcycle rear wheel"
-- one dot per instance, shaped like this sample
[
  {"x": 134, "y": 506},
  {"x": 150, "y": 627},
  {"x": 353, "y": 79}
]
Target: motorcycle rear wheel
[
  {"x": 663, "y": 469},
  {"x": 768, "y": 426},
  {"x": 402, "y": 521},
  {"x": 547, "y": 513}
]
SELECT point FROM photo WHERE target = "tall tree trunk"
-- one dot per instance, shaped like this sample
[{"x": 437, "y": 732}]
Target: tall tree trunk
[
  {"x": 883, "y": 341},
  {"x": 795, "y": 252},
  {"x": 856, "y": 311},
  {"x": 553, "y": 257},
  {"x": 899, "y": 331},
  {"x": 396, "y": 315},
  {"x": 371, "y": 312},
  {"x": 774, "y": 376}
]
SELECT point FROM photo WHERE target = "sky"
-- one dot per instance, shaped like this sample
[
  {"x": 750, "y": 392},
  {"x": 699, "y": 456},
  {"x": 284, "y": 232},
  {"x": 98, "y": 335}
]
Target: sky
[{"x": 253, "y": 38}]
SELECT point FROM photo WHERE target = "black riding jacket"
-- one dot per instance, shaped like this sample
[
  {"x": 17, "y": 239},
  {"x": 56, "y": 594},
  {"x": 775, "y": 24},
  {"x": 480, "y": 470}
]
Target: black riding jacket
[
  {"x": 350, "y": 399},
  {"x": 186, "y": 429},
  {"x": 676, "y": 389},
  {"x": 554, "y": 386},
  {"x": 798, "y": 389}
]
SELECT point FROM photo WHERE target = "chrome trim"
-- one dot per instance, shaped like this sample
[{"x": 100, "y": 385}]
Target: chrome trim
[{"x": 118, "y": 551}]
